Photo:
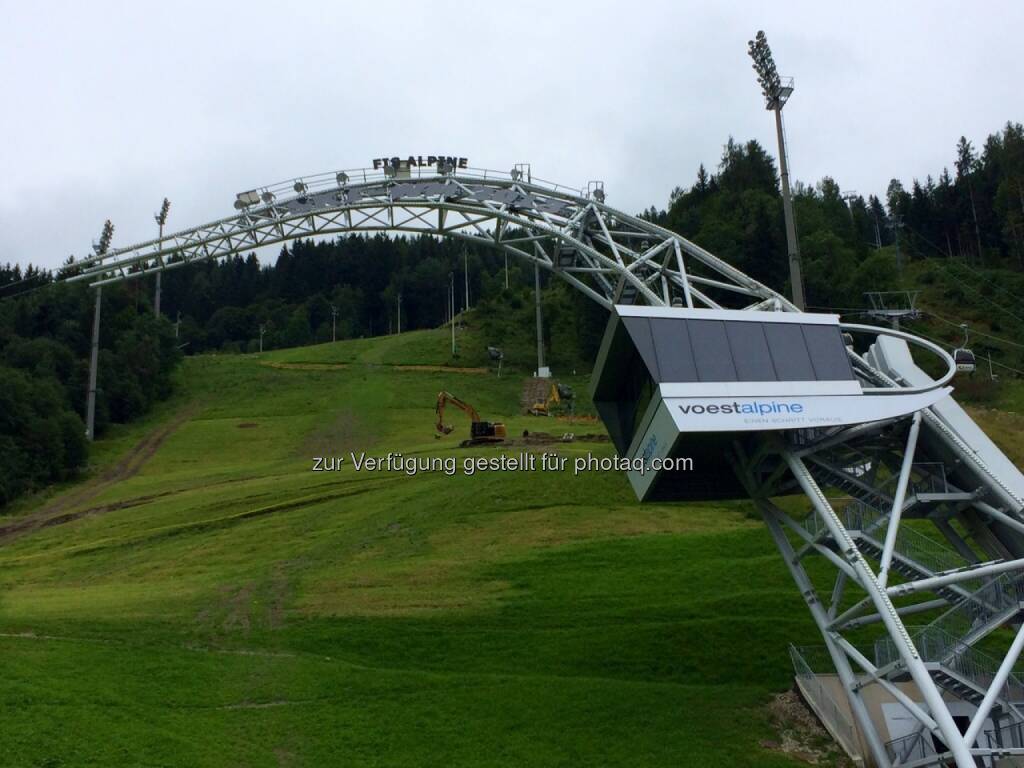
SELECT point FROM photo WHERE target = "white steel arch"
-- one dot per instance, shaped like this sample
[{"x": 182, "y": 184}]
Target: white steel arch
[{"x": 572, "y": 233}]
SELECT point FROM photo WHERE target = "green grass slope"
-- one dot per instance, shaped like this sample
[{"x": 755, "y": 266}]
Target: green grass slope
[{"x": 226, "y": 606}]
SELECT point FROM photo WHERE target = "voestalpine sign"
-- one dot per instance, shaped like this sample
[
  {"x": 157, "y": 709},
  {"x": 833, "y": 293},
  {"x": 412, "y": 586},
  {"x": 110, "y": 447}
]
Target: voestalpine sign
[
  {"x": 747, "y": 414},
  {"x": 419, "y": 161}
]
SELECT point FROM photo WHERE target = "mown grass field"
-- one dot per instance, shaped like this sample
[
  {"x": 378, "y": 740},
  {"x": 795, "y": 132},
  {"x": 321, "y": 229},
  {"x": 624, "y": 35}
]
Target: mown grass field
[{"x": 227, "y": 606}]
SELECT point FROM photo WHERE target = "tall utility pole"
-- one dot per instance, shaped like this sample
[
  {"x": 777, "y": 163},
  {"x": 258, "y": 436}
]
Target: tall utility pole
[
  {"x": 542, "y": 371},
  {"x": 334, "y": 323},
  {"x": 161, "y": 219},
  {"x": 451, "y": 307},
  {"x": 897, "y": 224},
  {"x": 465, "y": 262},
  {"x": 399, "y": 311},
  {"x": 94, "y": 354},
  {"x": 776, "y": 94},
  {"x": 263, "y": 330},
  {"x": 506, "y": 271},
  {"x": 849, "y": 197}
]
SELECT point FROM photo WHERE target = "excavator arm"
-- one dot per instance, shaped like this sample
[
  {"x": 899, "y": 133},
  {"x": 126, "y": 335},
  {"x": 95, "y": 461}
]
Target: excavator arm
[{"x": 443, "y": 399}]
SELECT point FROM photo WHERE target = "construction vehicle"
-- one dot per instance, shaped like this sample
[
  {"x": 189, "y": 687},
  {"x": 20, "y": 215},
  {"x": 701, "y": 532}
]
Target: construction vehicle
[
  {"x": 556, "y": 395},
  {"x": 480, "y": 431}
]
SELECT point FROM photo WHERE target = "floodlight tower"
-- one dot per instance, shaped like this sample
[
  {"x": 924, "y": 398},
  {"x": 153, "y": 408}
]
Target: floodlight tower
[
  {"x": 161, "y": 219},
  {"x": 90, "y": 409},
  {"x": 849, "y": 196},
  {"x": 776, "y": 94}
]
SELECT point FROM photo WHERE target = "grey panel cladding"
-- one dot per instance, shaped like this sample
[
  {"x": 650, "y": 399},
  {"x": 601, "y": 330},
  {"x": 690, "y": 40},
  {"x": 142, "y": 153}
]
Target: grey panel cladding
[
  {"x": 789, "y": 352},
  {"x": 674, "y": 351},
  {"x": 694, "y": 350},
  {"x": 711, "y": 350},
  {"x": 639, "y": 329},
  {"x": 750, "y": 352},
  {"x": 828, "y": 353}
]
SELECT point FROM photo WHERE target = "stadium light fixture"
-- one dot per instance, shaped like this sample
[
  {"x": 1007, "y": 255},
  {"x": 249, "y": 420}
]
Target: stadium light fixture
[
  {"x": 247, "y": 198},
  {"x": 776, "y": 92},
  {"x": 161, "y": 220}
]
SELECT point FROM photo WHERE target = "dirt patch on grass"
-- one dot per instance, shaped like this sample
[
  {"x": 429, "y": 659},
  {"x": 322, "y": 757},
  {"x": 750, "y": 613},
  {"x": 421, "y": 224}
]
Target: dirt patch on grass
[
  {"x": 259, "y": 603},
  {"x": 801, "y": 736},
  {"x": 59, "y": 511},
  {"x": 438, "y": 369},
  {"x": 454, "y": 574},
  {"x": 394, "y": 367},
  {"x": 344, "y": 433},
  {"x": 524, "y": 529},
  {"x": 306, "y": 366}
]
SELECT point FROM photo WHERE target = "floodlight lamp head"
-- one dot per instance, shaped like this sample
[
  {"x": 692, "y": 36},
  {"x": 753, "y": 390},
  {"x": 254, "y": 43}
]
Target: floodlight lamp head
[
  {"x": 775, "y": 92},
  {"x": 105, "y": 237},
  {"x": 300, "y": 187},
  {"x": 161, "y": 217},
  {"x": 268, "y": 197},
  {"x": 599, "y": 195},
  {"x": 390, "y": 170},
  {"x": 247, "y": 198},
  {"x": 444, "y": 167},
  {"x": 342, "y": 178},
  {"x": 516, "y": 174}
]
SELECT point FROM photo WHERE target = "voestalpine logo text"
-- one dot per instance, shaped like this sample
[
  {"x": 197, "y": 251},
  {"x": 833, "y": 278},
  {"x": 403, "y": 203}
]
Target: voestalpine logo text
[{"x": 756, "y": 408}]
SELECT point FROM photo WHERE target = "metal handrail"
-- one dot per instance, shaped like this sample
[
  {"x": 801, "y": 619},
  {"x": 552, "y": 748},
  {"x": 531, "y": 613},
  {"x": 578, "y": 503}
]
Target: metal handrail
[
  {"x": 938, "y": 646},
  {"x": 357, "y": 177},
  {"x": 913, "y": 746},
  {"x": 824, "y": 701},
  {"x": 990, "y": 601},
  {"x": 917, "y": 341}
]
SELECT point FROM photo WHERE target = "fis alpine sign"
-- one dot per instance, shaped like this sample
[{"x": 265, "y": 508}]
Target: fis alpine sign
[{"x": 419, "y": 161}]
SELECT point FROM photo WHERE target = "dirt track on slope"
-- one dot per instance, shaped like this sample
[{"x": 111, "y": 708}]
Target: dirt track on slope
[{"x": 58, "y": 511}]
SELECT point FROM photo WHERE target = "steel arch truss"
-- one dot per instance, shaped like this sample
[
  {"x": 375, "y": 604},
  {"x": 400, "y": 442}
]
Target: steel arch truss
[
  {"x": 908, "y": 603},
  {"x": 608, "y": 255}
]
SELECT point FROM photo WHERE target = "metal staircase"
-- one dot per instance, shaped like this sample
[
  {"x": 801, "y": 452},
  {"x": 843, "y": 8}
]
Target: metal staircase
[
  {"x": 957, "y": 667},
  {"x": 976, "y": 608},
  {"x": 992, "y": 605},
  {"x": 916, "y": 556}
]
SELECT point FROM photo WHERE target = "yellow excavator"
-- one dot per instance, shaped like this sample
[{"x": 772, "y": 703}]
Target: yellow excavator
[
  {"x": 479, "y": 431},
  {"x": 556, "y": 395}
]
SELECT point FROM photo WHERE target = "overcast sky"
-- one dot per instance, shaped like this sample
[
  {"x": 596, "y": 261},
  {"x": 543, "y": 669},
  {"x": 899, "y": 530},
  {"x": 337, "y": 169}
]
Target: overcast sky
[{"x": 109, "y": 107}]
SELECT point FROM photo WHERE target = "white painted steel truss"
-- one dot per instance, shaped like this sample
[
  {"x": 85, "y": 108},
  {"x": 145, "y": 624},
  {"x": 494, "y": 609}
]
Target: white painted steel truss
[
  {"x": 874, "y": 488},
  {"x": 606, "y": 254},
  {"x": 891, "y": 471}
]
